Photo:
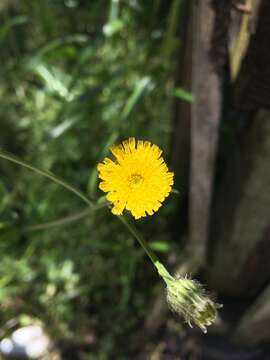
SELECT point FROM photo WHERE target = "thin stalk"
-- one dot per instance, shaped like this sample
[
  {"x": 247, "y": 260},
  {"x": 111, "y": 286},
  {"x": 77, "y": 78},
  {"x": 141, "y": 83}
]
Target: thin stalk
[
  {"x": 10, "y": 157},
  {"x": 64, "y": 220},
  {"x": 138, "y": 236}
]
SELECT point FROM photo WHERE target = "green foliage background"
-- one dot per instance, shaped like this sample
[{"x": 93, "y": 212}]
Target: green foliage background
[{"x": 76, "y": 77}]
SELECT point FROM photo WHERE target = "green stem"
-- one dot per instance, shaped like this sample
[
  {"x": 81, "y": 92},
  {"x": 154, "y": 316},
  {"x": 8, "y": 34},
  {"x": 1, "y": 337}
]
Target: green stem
[
  {"x": 48, "y": 174},
  {"x": 59, "y": 222},
  {"x": 138, "y": 236},
  {"x": 159, "y": 266},
  {"x": 64, "y": 220}
]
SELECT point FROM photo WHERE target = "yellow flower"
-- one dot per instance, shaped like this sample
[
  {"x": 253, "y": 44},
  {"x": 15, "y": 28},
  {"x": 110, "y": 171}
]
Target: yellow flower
[{"x": 137, "y": 180}]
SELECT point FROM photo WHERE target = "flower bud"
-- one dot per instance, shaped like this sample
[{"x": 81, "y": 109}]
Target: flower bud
[{"x": 189, "y": 299}]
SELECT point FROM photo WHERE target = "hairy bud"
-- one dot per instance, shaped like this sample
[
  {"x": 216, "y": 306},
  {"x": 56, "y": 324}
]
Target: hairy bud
[{"x": 189, "y": 299}]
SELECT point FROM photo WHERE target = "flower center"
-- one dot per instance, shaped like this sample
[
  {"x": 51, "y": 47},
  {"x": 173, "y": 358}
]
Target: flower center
[{"x": 135, "y": 180}]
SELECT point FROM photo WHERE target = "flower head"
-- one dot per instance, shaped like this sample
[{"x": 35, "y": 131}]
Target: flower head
[
  {"x": 189, "y": 299},
  {"x": 138, "y": 180}
]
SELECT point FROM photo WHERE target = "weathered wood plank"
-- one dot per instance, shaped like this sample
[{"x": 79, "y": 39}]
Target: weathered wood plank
[
  {"x": 254, "y": 327},
  {"x": 253, "y": 85},
  {"x": 181, "y": 115},
  {"x": 241, "y": 259},
  {"x": 241, "y": 41},
  {"x": 208, "y": 55}
]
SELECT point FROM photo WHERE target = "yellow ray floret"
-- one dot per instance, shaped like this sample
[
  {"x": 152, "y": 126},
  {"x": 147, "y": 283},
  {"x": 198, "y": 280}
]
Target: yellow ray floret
[{"x": 137, "y": 180}]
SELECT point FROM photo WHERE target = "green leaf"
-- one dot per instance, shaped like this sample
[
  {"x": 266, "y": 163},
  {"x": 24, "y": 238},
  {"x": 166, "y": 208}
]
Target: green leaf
[
  {"x": 135, "y": 96},
  {"x": 93, "y": 178},
  {"x": 63, "y": 127},
  {"x": 183, "y": 94},
  {"x": 18, "y": 20},
  {"x": 160, "y": 246},
  {"x": 113, "y": 27}
]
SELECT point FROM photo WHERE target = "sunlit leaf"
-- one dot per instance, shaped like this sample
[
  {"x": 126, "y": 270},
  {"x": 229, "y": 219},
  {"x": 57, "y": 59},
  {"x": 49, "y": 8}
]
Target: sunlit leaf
[
  {"x": 113, "y": 27},
  {"x": 184, "y": 94},
  {"x": 160, "y": 246}
]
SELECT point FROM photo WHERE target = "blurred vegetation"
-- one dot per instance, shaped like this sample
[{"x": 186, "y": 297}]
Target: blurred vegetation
[{"x": 76, "y": 77}]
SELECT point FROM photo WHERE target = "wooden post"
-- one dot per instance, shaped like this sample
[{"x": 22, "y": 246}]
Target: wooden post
[
  {"x": 254, "y": 326},
  {"x": 241, "y": 258},
  {"x": 207, "y": 66}
]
